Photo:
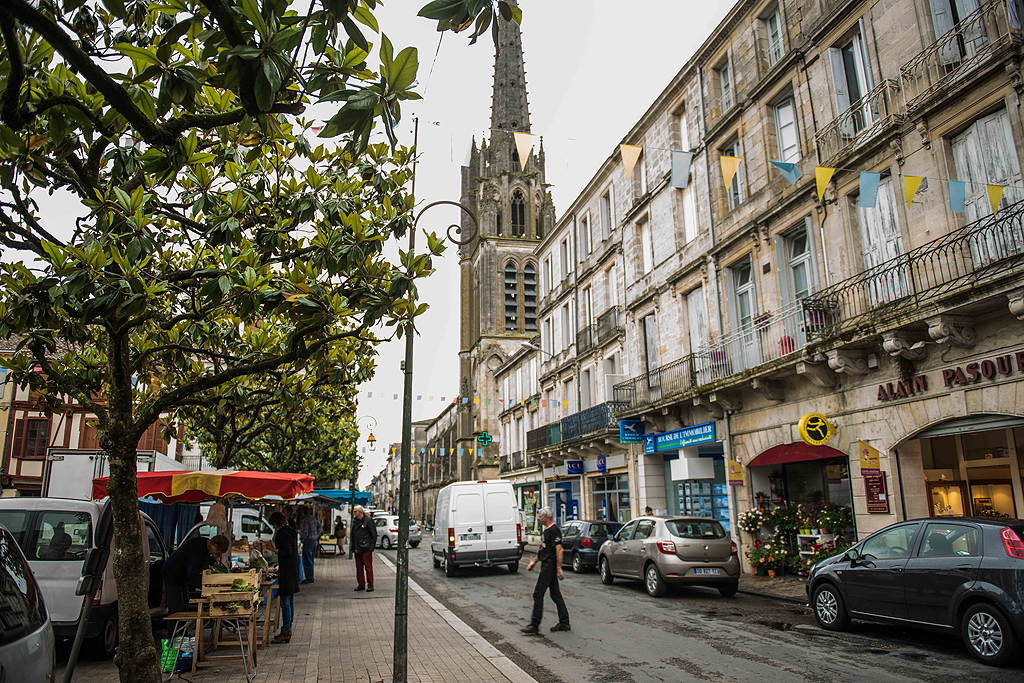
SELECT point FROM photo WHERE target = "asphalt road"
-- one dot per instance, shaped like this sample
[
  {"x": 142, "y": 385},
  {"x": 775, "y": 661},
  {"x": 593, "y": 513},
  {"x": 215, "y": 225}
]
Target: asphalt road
[{"x": 620, "y": 634}]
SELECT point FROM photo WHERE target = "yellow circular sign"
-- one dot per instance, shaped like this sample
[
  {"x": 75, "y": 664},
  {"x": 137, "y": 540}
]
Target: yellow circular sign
[{"x": 815, "y": 429}]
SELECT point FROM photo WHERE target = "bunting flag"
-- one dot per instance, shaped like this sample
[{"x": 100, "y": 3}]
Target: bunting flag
[
  {"x": 822, "y": 175},
  {"x": 957, "y": 195},
  {"x": 524, "y": 145},
  {"x": 789, "y": 171},
  {"x": 630, "y": 154},
  {"x": 995, "y": 195},
  {"x": 729, "y": 167},
  {"x": 868, "y": 189},
  {"x": 681, "y": 162},
  {"x": 910, "y": 185}
]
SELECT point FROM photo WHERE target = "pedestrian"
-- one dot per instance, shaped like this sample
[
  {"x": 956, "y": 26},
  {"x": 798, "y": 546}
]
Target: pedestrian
[
  {"x": 286, "y": 543},
  {"x": 550, "y": 558},
  {"x": 339, "y": 533},
  {"x": 648, "y": 511},
  {"x": 364, "y": 540},
  {"x": 310, "y": 529},
  {"x": 185, "y": 567}
]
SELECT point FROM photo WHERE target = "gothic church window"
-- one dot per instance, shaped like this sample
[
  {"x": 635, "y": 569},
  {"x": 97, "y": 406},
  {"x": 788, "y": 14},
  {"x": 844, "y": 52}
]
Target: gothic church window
[
  {"x": 497, "y": 228},
  {"x": 515, "y": 156},
  {"x": 518, "y": 214},
  {"x": 511, "y": 298},
  {"x": 530, "y": 297}
]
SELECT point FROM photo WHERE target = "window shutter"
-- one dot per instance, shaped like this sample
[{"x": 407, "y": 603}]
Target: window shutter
[
  {"x": 18, "y": 445},
  {"x": 839, "y": 80},
  {"x": 942, "y": 21}
]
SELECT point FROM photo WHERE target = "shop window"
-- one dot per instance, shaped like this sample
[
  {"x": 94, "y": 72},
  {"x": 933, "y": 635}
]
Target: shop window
[
  {"x": 987, "y": 445},
  {"x": 949, "y": 540},
  {"x": 889, "y": 545},
  {"x": 611, "y": 498}
]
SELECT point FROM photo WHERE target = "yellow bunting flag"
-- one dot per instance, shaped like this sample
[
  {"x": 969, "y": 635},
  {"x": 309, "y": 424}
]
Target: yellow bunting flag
[
  {"x": 995, "y": 195},
  {"x": 630, "y": 154},
  {"x": 729, "y": 167},
  {"x": 524, "y": 145},
  {"x": 566, "y": 403},
  {"x": 822, "y": 174},
  {"x": 910, "y": 185},
  {"x": 476, "y": 400}
]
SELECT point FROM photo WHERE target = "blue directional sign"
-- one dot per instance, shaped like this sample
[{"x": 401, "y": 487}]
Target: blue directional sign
[
  {"x": 631, "y": 431},
  {"x": 680, "y": 438}
]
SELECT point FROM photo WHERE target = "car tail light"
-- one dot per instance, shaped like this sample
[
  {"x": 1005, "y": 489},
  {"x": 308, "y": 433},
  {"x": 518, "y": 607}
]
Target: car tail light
[
  {"x": 586, "y": 542},
  {"x": 451, "y": 537},
  {"x": 519, "y": 533},
  {"x": 667, "y": 547},
  {"x": 735, "y": 550},
  {"x": 1012, "y": 544},
  {"x": 97, "y": 598}
]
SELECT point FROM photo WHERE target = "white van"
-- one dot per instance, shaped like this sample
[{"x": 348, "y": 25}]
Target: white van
[{"x": 476, "y": 524}]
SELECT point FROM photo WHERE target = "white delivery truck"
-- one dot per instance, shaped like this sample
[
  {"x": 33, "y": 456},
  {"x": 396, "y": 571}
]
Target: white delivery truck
[
  {"x": 75, "y": 468},
  {"x": 476, "y": 524}
]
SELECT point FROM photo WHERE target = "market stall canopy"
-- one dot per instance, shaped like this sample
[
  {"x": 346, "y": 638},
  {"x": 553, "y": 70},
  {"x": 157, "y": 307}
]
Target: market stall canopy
[
  {"x": 195, "y": 487},
  {"x": 344, "y": 497},
  {"x": 794, "y": 452}
]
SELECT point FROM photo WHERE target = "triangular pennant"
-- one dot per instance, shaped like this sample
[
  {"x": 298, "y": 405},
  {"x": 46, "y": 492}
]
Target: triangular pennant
[
  {"x": 566, "y": 402},
  {"x": 524, "y": 145},
  {"x": 729, "y": 167},
  {"x": 910, "y": 185},
  {"x": 681, "y": 162},
  {"x": 995, "y": 195},
  {"x": 432, "y": 451},
  {"x": 957, "y": 195},
  {"x": 630, "y": 153},
  {"x": 789, "y": 171},
  {"x": 822, "y": 174},
  {"x": 868, "y": 189}
]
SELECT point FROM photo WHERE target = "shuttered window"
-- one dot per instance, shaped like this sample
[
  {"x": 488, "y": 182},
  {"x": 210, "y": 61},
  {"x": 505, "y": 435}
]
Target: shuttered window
[{"x": 881, "y": 242}]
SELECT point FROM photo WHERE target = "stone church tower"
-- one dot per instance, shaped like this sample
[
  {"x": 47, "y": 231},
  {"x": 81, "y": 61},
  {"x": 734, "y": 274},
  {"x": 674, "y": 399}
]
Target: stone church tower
[{"x": 500, "y": 273}]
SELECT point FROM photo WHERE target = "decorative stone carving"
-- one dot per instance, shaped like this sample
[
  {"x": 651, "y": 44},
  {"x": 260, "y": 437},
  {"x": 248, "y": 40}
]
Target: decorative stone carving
[
  {"x": 818, "y": 374},
  {"x": 896, "y": 145},
  {"x": 955, "y": 330},
  {"x": 898, "y": 343},
  {"x": 770, "y": 389},
  {"x": 846, "y": 362},
  {"x": 1012, "y": 69},
  {"x": 1016, "y": 298},
  {"x": 922, "y": 130}
]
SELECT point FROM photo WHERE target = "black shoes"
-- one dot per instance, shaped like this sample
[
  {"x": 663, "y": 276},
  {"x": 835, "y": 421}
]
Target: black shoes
[
  {"x": 307, "y": 581},
  {"x": 529, "y": 629},
  {"x": 283, "y": 637},
  {"x": 360, "y": 588},
  {"x": 561, "y": 627},
  {"x": 369, "y": 589}
]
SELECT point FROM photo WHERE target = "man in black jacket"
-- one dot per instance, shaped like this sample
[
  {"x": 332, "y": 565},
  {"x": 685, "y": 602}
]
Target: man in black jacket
[
  {"x": 185, "y": 567},
  {"x": 364, "y": 540},
  {"x": 550, "y": 558}
]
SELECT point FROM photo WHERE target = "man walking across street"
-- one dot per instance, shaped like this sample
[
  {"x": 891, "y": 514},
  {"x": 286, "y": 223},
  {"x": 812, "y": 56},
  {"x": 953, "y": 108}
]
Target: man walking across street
[
  {"x": 310, "y": 530},
  {"x": 550, "y": 558},
  {"x": 364, "y": 539}
]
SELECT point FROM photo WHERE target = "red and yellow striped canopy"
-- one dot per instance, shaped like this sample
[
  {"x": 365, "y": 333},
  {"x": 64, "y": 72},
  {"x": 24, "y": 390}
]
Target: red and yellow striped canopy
[{"x": 194, "y": 487}]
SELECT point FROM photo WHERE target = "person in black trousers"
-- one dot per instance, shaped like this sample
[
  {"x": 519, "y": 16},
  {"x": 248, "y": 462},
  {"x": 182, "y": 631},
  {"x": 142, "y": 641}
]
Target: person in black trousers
[
  {"x": 550, "y": 558},
  {"x": 185, "y": 567},
  {"x": 286, "y": 541}
]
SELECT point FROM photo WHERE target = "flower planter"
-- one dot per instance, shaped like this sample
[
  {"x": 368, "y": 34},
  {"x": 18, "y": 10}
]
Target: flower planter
[{"x": 761, "y": 571}]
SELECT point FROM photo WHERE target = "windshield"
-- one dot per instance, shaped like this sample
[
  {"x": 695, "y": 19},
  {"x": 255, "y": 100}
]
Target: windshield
[
  {"x": 692, "y": 528},
  {"x": 604, "y": 530},
  {"x": 21, "y": 604}
]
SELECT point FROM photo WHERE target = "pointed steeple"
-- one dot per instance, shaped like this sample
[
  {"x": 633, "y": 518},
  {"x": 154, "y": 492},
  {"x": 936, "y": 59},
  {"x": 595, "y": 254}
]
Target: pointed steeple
[{"x": 510, "y": 110}]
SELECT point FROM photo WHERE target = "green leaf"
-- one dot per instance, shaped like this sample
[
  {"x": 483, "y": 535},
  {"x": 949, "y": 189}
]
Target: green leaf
[
  {"x": 365, "y": 17},
  {"x": 387, "y": 56},
  {"x": 139, "y": 55},
  {"x": 363, "y": 99},
  {"x": 268, "y": 81},
  {"x": 403, "y": 70},
  {"x": 252, "y": 12},
  {"x": 440, "y": 9},
  {"x": 355, "y": 34}
]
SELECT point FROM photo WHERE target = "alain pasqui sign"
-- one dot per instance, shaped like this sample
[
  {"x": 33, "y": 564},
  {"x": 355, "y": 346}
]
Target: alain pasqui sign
[{"x": 679, "y": 438}]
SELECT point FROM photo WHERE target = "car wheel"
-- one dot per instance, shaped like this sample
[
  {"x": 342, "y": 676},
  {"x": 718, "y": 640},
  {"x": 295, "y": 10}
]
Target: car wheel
[
  {"x": 988, "y": 635},
  {"x": 437, "y": 563},
  {"x": 727, "y": 590},
  {"x": 513, "y": 567},
  {"x": 450, "y": 569},
  {"x": 829, "y": 609},
  {"x": 577, "y": 563},
  {"x": 386, "y": 543},
  {"x": 656, "y": 586},
  {"x": 104, "y": 645},
  {"x": 413, "y": 544},
  {"x": 606, "y": 572}
]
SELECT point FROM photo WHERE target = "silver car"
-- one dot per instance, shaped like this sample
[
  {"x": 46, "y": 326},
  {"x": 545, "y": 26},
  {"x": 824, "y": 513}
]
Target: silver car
[
  {"x": 663, "y": 550},
  {"x": 27, "y": 646},
  {"x": 387, "y": 532}
]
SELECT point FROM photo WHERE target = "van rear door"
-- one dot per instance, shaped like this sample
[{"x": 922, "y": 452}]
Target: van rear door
[
  {"x": 468, "y": 518},
  {"x": 502, "y": 517}
]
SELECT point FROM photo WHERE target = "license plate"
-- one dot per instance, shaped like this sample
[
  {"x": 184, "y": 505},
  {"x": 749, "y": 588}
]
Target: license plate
[
  {"x": 707, "y": 571},
  {"x": 469, "y": 537}
]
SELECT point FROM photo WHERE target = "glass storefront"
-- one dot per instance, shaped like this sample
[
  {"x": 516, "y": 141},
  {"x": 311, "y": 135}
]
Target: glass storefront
[
  {"x": 611, "y": 498},
  {"x": 529, "y": 502},
  {"x": 707, "y": 497},
  {"x": 812, "y": 482},
  {"x": 564, "y": 499}
]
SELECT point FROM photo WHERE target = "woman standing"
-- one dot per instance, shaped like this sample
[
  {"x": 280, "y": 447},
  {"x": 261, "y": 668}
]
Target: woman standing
[
  {"x": 339, "y": 533},
  {"x": 287, "y": 543}
]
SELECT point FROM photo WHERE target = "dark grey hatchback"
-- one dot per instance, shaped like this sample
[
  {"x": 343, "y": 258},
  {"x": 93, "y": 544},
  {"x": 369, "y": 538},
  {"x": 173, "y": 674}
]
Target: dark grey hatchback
[
  {"x": 949, "y": 574},
  {"x": 581, "y": 539}
]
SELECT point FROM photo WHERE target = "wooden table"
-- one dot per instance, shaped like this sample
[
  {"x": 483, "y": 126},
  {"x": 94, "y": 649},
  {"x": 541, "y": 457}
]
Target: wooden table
[
  {"x": 271, "y": 612},
  {"x": 328, "y": 542},
  {"x": 201, "y": 658}
]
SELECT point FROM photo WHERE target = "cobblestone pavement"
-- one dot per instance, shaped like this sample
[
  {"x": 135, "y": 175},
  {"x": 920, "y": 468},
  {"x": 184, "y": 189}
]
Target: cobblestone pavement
[{"x": 340, "y": 635}]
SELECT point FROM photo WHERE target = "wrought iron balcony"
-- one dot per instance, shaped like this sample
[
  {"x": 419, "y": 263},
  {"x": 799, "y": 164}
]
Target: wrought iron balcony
[
  {"x": 860, "y": 123},
  {"x": 609, "y": 324},
  {"x": 769, "y": 54},
  {"x": 542, "y": 437},
  {"x": 977, "y": 254},
  {"x": 958, "y": 53},
  {"x": 504, "y": 464},
  {"x": 586, "y": 338},
  {"x": 195, "y": 463},
  {"x": 594, "y": 419},
  {"x": 518, "y": 461}
]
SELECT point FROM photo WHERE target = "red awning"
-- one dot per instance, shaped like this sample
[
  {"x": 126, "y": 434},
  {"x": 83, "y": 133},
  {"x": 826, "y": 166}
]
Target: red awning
[
  {"x": 195, "y": 487},
  {"x": 795, "y": 452}
]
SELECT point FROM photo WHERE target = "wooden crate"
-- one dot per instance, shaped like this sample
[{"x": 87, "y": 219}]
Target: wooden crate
[
  {"x": 219, "y": 604},
  {"x": 214, "y": 584}
]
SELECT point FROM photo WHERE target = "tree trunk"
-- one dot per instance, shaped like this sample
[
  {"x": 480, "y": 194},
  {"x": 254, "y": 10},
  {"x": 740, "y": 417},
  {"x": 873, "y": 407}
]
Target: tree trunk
[{"x": 137, "y": 659}]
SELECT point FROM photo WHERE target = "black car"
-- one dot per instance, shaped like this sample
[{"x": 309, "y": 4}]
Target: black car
[
  {"x": 581, "y": 540},
  {"x": 948, "y": 574}
]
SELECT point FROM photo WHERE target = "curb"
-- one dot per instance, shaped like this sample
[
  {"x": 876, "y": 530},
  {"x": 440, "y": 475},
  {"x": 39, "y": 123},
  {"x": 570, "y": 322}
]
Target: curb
[
  {"x": 506, "y": 666},
  {"x": 770, "y": 596}
]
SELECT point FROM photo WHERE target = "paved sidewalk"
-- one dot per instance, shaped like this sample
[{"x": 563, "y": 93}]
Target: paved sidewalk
[
  {"x": 788, "y": 588},
  {"x": 340, "y": 635}
]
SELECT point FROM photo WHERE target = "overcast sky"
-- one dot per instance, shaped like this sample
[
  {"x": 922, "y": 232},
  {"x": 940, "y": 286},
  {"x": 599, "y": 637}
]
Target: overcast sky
[{"x": 593, "y": 67}]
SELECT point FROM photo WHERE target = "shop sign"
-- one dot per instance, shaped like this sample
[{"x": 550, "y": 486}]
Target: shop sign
[
  {"x": 961, "y": 375},
  {"x": 876, "y": 493},
  {"x": 574, "y": 467},
  {"x": 815, "y": 429},
  {"x": 679, "y": 438},
  {"x": 735, "y": 472},
  {"x": 869, "y": 466},
  {"x": 602, "y": 463},
  {"x": 903, "y": 388},
  {"x": 631, "y": 431}
]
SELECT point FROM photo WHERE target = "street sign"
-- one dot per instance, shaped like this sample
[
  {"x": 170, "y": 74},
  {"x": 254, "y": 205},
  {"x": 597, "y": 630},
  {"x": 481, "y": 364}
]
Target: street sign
[
  {"x": 631, "y": 431},
  {"x": 602, "y": 463},
  {"x": 574, "y": 467},
  {"x": 485, "y": 439},
  {"x": 815, "y": 429},
  {"x": 680, "y": 438}
]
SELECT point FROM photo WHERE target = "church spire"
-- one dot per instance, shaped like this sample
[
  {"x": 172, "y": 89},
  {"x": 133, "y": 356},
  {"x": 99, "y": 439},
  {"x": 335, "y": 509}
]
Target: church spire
[{"x": 510, "y": 110}]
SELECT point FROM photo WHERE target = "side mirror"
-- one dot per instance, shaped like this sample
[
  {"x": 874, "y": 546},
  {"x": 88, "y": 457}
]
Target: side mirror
[{"x": 852, "y": 555}]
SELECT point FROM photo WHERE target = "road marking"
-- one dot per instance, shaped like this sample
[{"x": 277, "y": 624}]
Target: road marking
[{"x": 506, "y": 666}]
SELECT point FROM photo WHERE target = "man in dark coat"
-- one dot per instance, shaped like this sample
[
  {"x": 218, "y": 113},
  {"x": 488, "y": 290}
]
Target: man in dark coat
[
  {"x": 286, "y": 541},
  {"x": 185, "y": 567},
  {"x": 364, "y": 540}
]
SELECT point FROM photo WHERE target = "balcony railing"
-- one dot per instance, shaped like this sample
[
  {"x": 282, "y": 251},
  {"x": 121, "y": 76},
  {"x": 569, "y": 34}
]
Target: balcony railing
[
  {"x": 955, "y": 54},
  {"x": 861, "y": 122},
  {"x": 609, "y": 324},
  {"x": 195, "y": 463},
  {"x": 976, "y": 254},
  {"x": 504, "y": 464},
  {"x": 591, "y": 420},
  {"x": 769, "y": 54},
  {"x": 518, "y": 462},
  {"x": 548, "y": 435},
  {"x": 586, "y": 338}
]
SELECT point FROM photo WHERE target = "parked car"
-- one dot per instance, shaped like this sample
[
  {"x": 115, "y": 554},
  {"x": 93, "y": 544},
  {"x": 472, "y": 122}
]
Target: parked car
[
  {"x": 55, "y": 535},
  {"x": 581, "y": 541},
  {"x": 662, "y": 550},
  {"x": 950, "y": 574},
  {"x": 27, "y": 645},
  {"x": 387, "y": 532},
  {"x": 476, "y": 523}
]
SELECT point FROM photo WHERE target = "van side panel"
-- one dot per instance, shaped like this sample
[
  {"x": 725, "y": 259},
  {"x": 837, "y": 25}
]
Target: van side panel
[{"x": 440, "y": 539}]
